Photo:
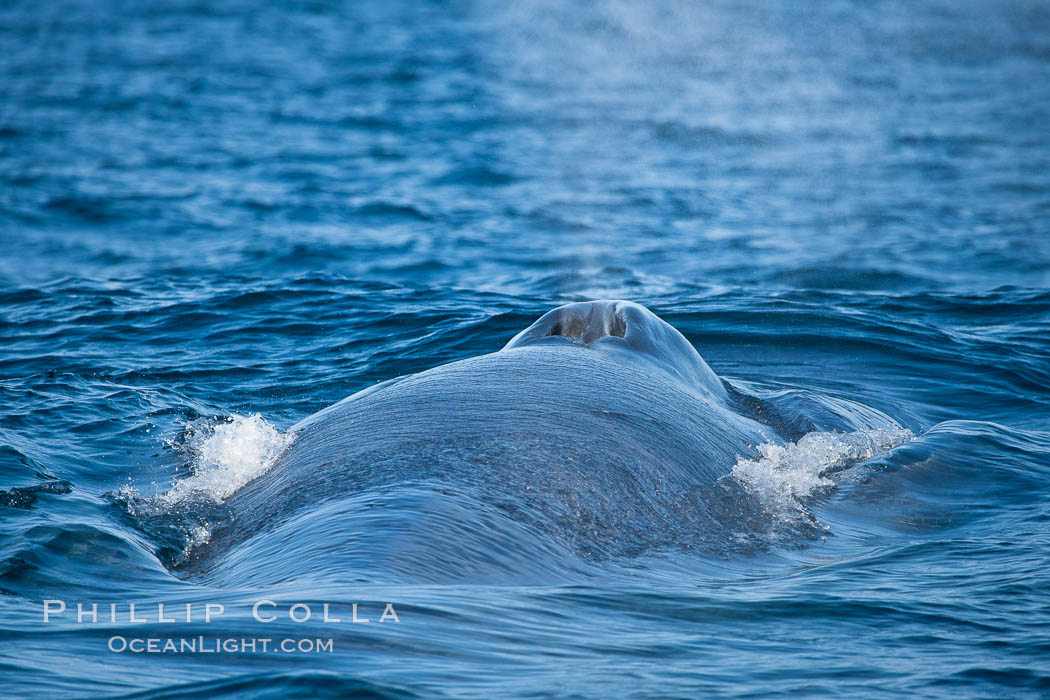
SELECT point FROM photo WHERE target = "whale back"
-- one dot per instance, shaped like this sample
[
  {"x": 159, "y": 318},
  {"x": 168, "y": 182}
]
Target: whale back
[{"x": 566, "y": 446}]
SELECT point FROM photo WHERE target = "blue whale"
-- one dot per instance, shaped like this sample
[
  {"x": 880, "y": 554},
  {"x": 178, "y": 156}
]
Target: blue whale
[{"x": 598, "y": 432}]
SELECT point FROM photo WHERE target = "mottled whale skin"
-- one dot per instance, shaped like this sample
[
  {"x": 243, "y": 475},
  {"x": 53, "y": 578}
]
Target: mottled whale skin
[{"x": 597, "y": 432}]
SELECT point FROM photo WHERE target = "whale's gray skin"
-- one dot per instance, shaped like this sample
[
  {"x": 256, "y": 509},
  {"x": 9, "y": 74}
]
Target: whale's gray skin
[{"x": 597, "y": 432}]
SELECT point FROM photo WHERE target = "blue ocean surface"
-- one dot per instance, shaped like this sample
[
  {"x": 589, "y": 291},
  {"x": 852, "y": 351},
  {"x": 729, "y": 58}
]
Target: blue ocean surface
[{"x": 218, "y": 218}]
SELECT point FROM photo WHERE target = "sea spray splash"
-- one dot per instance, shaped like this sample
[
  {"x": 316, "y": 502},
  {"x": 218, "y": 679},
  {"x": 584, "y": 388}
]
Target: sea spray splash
[
  {"x": 222, "y": 456},
  {"x": 225, "y": 456},
  {"x": 784, "y": 476}
]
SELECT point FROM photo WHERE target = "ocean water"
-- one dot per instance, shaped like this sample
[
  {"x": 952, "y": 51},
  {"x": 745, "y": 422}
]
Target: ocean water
[{"x": 219, "y": 218}]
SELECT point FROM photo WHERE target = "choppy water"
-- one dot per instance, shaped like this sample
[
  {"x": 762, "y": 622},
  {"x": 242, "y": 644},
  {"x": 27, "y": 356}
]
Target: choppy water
[{"x": 217, "y": 219}]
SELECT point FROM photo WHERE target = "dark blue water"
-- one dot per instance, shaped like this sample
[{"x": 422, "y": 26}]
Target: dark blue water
[{"x": 219, "y": 218}]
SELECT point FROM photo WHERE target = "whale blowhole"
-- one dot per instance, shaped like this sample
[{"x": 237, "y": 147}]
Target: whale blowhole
[
  {"x": 587, "y": 329},
  {"x": 620, "y": 328}
]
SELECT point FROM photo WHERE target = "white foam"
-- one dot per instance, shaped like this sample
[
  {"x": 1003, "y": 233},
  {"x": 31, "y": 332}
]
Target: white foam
[
  {"x": 783, "y": 475},
  {"x": 226, "y": 456}
]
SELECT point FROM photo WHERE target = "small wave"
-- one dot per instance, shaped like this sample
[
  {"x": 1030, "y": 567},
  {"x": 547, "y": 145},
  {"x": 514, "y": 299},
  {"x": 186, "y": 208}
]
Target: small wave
[{"x": 784, "y": 476}]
